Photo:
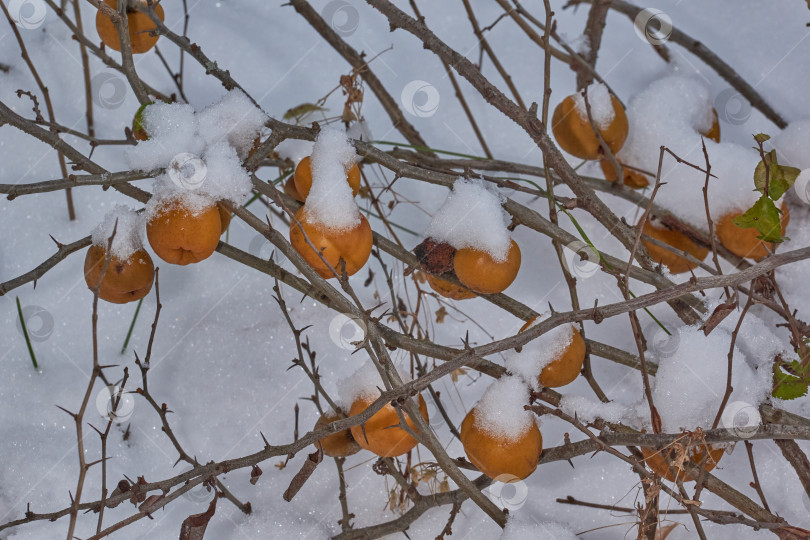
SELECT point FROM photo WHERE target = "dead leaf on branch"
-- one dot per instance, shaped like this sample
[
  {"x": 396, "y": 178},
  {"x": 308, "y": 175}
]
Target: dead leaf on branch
[
  {"x": 255, "y": 473},
  {"x": 303, "y": 475},
  {"x": 662, "y": 532},
  {"x": 193, "y": 527},
  {"x": 719, "y": 313},
  {"x": 652, "y": 492},
  {"x": 456, "y": 374},
  {"x": 150, "y": 504}
]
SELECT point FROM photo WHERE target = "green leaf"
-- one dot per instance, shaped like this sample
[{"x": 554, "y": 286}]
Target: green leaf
[
  {"x": 780, "y": 179},
  {"x": 790, "y": 389},
  {"x": 137, "y": 123},
  {"x": 759, "y": 171},
  {"x": 787, "y": 386},
  {"x": 764, "y": 217},
  {"x": 800, "y": 370},
  {"x": 761, "y": 137},
  {"x": 302, "y": 110}
]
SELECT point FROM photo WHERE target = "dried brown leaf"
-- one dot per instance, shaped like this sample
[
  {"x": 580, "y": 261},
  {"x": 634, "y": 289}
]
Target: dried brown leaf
[
  {"x": 457, "y": 373},
  {"x": 719, "y": 313},
  {"x": 662, "y": 532},
  {"x": 193, "y": 527},
  {"x": 303, "y": 475},
  {"x": 652, "y": 492},
  {"x": 255, "y": 473}
]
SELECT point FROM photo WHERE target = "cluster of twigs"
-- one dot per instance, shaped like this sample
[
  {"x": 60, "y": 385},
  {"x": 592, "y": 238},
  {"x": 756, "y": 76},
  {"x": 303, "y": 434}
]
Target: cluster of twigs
[{"x": 411, "y": 328}]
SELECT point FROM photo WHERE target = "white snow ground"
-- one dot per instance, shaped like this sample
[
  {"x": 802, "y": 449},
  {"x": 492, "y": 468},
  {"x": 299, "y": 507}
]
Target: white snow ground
[{"x": 222, "y": 348}]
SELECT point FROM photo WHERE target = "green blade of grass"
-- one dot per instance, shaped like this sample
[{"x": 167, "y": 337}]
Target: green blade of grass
[
  {"x": 132, "y": 326},
  {"x": 659, "y": 323},
  {"x": 25, "y": 334},
  {"x": 588, "y": 241},
  {"x": 416, "y": 147},
  {"x": 279, "y": 179},
  {"x": 393, "y": 224}
]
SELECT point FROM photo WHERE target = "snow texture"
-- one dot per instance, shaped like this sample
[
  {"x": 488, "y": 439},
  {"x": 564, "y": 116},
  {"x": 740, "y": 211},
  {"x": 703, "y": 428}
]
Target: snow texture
[
  {"x": 587, "y": 410},
  {"x": 330, "y": 202},
  {"x": 500, "y": 411},
  {"x": 801, "y": 187},
  {"x": 539, "y": 352},
  {"x": 600, "y": 103},
  {"x": 166, "y": 194},
  {"x": 222, "y": 347},
  {"x": 128, "y": 226},
  {"x": 689, "y": 384},
  {"x": 518, "y": 528},
  {"x": 234, "y": 119},
  {"x": 365, "y": 383},
  {"x": 173, "y": 129},
  {"x": 672, "y": 111},
  {"x": 225, "y": 178},
  {"x": 472, "y": 217},
  {"x": 793, "y": 144},
  {"x": 203, "y": 151}
]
